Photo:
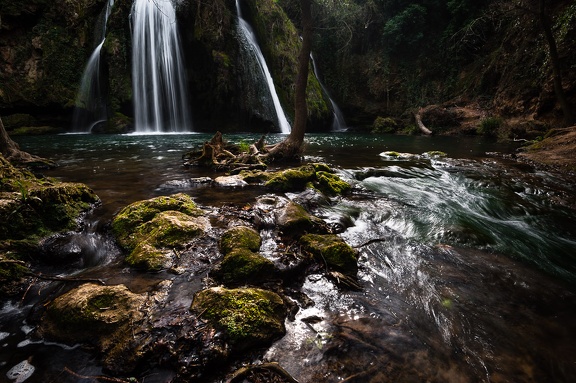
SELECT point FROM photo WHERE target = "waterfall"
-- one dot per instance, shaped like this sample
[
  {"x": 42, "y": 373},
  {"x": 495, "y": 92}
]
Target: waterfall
[
  {"x": 158, "y": 75},
  {"x": 91, "y": 106},
  {"x": 338, "y": 123},
  {"x": 247, "y": 31}
]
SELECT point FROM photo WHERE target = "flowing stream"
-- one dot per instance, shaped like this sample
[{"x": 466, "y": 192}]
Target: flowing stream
[
  {"x": 467, "y": 262},
  {"x": 158, "y": 74},
  {"x": 248, "y": 33}
]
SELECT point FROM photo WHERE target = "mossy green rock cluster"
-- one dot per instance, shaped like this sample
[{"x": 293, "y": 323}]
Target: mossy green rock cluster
[
  {"x": 331, "y": 250},
  {"x": 241, "y": 263},
  {"x": 248, "y": 316},
  {"x": 151, "y": 229},
  {"x": 102, "y": 315},
  {"x": 317, "y": 175},
  {"x": 32, "y": 208}
]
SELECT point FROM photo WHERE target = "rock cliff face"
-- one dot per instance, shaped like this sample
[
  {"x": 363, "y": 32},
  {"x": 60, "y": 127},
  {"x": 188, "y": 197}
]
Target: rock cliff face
[{"x": 44, "y": 46}]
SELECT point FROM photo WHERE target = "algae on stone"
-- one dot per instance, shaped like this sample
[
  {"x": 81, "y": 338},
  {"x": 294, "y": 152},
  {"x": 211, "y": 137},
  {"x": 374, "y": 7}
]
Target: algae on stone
[
  {"x": 332, "y": 251},
  {"x": 242, "y": 266},
  {"x": 240, "y": 237},
  {"x": 32, "y": 208},
  {"x": 248, "y": 316},
  {"x": 151, "y": 229}
]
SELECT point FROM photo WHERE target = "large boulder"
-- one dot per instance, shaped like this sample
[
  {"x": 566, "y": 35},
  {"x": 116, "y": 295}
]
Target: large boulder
[
  {"x": 151, "y": 230},
  {"x": 101, "y": 315}
]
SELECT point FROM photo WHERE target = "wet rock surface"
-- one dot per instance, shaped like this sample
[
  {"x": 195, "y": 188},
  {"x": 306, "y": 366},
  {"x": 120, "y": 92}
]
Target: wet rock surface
[{"x": 227, "y": 280}]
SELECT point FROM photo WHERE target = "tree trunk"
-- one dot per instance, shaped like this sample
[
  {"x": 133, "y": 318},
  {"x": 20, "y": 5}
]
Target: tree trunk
[
  {"x": 11, "y": 151},
  {"x": 7, "y": 146},
  {"x": 292, "y": 146},
  {"x": 555, "y": 62}
]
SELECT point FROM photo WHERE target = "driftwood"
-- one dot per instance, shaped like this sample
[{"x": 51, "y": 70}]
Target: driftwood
[
  {"x": 418, "y": 117},
  {"x": 222, "y": 156}
]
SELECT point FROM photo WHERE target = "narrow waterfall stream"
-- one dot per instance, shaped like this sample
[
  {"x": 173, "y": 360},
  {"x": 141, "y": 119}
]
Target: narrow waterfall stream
[
  {"x": 338, "y": 122},
  {"x": 248, "y": 33},
  {"x": 91, "y": 101},
  {"x": 158, "y": 74}
]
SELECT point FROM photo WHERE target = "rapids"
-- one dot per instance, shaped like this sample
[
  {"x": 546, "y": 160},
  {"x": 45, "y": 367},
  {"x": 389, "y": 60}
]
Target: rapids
[{"x": 467, "y": 262}]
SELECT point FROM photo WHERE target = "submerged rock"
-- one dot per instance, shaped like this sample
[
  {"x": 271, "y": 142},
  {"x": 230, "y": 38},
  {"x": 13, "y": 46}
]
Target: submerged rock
[
  {"x": 248, "y": 316},
  {"x": 333, "y": 251}
]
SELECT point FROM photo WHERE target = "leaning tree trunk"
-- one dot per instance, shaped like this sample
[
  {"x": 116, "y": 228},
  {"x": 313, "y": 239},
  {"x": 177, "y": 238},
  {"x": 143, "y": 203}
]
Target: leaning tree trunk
[
  {"x": 292, "y": 146},
  {"x": 8, "y": 148},
  {"x": 555, "y": 63}
]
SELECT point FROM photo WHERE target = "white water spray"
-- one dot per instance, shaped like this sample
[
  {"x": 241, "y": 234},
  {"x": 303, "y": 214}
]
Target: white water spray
[
  {"x": 250, "y": 36},
  {"x": 158, "y": 75},
  {"x": 91, "y": 107}
]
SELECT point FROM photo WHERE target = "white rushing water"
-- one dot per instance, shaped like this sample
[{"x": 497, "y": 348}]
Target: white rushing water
[
  {"x": 158, "y": 75},
  {"x": 250, "y": 36},
  {"x": 91, "y": 99}
]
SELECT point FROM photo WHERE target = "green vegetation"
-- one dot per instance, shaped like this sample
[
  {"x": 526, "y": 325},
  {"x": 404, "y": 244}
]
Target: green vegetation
[
  {"x": 151, "y": 230},
  {"x": 489, "y": 126},
  {"x": 248, "y": 316},
  {"x": 240, "y": 237},
  {"x": 331, "y": 251}
]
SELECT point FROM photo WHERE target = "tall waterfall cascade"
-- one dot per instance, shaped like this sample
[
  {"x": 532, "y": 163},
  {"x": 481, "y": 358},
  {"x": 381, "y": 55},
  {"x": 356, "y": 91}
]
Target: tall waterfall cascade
[
  {"x": 248, "y": 33},
  {"x": 91, "y": 100},
  {"x": 338, "y": 123},
  {"x": 158, "y": 74}
]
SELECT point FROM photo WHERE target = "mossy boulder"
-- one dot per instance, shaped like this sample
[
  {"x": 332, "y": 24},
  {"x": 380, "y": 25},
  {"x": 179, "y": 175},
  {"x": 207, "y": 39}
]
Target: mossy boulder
[
  {"x": 293, "y": 220},
  {"x": 243, "y": 237},
  {"x": 292, "y": 179},
  {"x": 32, "y": 208},
  {"x": 242, "y": 266},
  {"x": 127, "y": 221},
  {"x": 248, "y": 316},
  {"x": 150, "y": 230},
  {"x": 101, "y": 315},
  {"x": 331, "y": 184},
  {"x": 316, "y": 175},
  {"x": 332, "y": 251}
]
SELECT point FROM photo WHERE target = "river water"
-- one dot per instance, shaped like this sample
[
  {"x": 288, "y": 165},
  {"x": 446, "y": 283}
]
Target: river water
[{"x": 467, "y": 262}]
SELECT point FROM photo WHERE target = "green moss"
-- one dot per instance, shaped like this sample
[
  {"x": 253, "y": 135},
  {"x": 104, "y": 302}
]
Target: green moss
[
  {"x": 151, "y": 229},
  {"x": 168, "y": 229},
  {"x": 244, "y": 266},
  {"x": 384, "y": 125},
  {"x": 435, "y": 153},
  {"x": 249, "y": 316},
  {"x": 331, "y": 184},
  {"x": 36, "y": 131},
  {"x": 240, "y": 237},
  {"x": 126, "y": 222},
  {"x": 291, "y": 179},
  {"x": 149, "y": 258},
  {"x": 332, "y": 251}
]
